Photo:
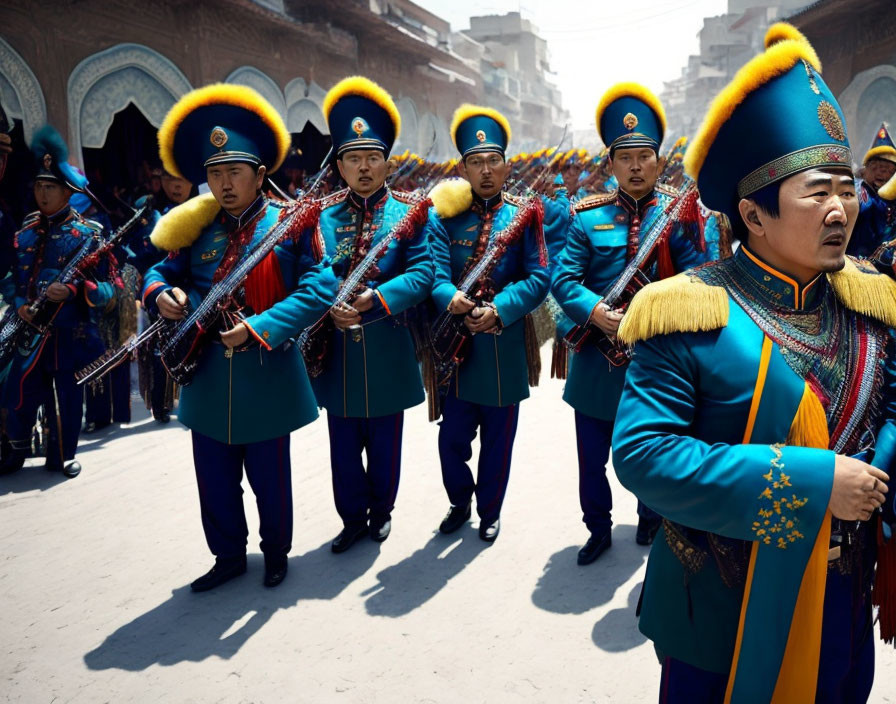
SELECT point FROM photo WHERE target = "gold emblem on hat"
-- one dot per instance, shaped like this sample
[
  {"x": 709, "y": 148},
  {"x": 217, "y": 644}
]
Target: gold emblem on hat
[
  {"x": 630, "y": 121},
  {"x": 480, "y": 135},
  {"x": 830, "y": 120},
  {"x": 359, "y": 126},
  {"x": 882, "y": 134},
  {"x": 48, "y": 161},
  {"x": 218, "y": 137}
]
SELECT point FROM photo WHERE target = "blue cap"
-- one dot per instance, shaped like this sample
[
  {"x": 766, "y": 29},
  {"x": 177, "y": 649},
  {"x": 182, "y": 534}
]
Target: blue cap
[
  {"x": 51, "y": 154},
  {"x": 361, "y": 115},
  {"x": 629, "y": 115},
  {"x": 476, "y": 129},
  {"x": 882, "y": 147}
]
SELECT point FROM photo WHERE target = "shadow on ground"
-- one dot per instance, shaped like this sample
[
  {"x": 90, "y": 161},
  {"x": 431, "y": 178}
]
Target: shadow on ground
[{"x": 618, "y": 630}]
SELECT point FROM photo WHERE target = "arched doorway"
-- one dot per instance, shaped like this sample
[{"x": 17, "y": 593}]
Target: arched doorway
[{"x": 877, "y": 104}]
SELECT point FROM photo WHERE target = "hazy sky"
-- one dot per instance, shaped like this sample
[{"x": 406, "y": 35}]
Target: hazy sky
[{"x": 595, "y": 44}]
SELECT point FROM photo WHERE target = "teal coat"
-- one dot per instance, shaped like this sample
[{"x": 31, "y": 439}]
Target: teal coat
[
  {"x": 262, "y": 392},
  {"x": 594, "y": 257},
  {"x": 375, "y": 373},
  {"x": 701, "y": 437},
  {"x": 495, "y": 372}
]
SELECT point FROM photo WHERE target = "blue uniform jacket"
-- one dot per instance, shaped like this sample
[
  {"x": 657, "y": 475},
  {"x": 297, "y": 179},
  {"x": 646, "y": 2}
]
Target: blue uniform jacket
[{"x": 876, "y": 223}]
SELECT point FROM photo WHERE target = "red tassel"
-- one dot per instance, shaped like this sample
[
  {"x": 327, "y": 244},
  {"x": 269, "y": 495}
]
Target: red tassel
[
  {"x": 413, "y": 220},
  {"x": 884, "y": 593},
  {"x": 664, "y": 265},
  {"x": 264, "y": 284}
]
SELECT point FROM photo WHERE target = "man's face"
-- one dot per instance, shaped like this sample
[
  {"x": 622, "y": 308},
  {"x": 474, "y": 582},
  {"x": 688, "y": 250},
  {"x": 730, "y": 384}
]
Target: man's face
[
  {"x": 879, "y": 171},
  {"x": 635, "y": 169},
  {"x": 818, "y": 212},
  {"x": 571, "y": 173},
  {"x": 177, "y": 189},
  {"x": 51, "y": 196},
  {"x": 364, "y": 170},
  {"x": 486, "y": 173},
  {"x": 235, "y": 186}
]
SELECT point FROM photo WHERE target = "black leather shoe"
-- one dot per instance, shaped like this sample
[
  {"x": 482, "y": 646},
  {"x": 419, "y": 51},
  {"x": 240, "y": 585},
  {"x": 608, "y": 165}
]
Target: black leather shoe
[
  {"x": 163, "y": 417},
  {"x": 380, "y": 529},
  {"x": 489, "y": 531},
  {"x": 456, "y": 517},
  {"x": 275, "y": 569},
  {"x": 223, "y": 571},
  {"x": 594, "y": 548},
  {"x": 72, "y": 469},
  {"x": 647, "y": 530},
  {"x": 348, "y": 537}
]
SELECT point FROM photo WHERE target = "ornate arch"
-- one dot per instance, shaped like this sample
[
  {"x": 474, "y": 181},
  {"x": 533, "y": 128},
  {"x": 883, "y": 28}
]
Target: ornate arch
[
  {"x": 20, "y": 90},
  {"x": 104, "y": 83},
  {"x": 849, "y": 102},
  {"x": 263, "y": 83},
  {"x": 304, "y": 101}
]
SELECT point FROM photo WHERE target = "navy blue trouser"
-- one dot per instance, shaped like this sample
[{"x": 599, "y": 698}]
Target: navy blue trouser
[
  {"x": 846, "y": 666},
  {"x": 460, "y": 421},
  {"x": 360, "y": 493},
  {"x": 110, "y": 400},
  {"x": 219, "y": 471},
  {"x": 593, "y": 437},
  {"x": 30, "y": 387}
]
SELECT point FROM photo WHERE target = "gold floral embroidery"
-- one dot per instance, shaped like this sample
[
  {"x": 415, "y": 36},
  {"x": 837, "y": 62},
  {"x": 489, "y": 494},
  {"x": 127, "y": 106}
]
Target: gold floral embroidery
[
  {"x": 830, "y": 120},
  {"x": 777, "y": 522}
]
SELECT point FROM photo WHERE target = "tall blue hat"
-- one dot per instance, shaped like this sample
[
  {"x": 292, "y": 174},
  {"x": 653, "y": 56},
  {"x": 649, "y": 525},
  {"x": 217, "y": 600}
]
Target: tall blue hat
[
  {"x": 776, "y": 118},
  {"x": 477, "y": 129},
  {"x": 882, "y": 147},
  {"x": 51, "y": 154},
  {"x": 221, "y": 123},
  {"x": 630, "y": 115},
  {"x": 361, "y": 115}
]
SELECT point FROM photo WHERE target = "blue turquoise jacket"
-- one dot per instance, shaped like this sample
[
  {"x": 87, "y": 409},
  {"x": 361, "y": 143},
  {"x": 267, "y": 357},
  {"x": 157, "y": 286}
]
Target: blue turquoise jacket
[
  {"x": 142, "y": 253},
  {"x": 593, "y": 258},
  {"x": 876, "y": 223},
  {"x": 724, "y": 428},
  {"x": 374, "y": 372},
  {"x": 262, "y": 390},
  {"x": 495, "y": 372}
]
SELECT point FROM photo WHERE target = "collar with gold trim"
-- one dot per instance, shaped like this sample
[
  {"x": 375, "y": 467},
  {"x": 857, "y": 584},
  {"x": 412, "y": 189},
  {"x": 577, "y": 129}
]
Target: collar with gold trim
[{"x": 780, "y": 288}]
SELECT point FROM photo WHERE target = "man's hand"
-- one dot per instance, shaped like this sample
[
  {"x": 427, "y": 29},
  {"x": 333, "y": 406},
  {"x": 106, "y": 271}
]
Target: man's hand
[
  {"x": 460, "y": 304},
  {"x": 858, "y": 489},
  {"x": 25, "y": 312},
  {"x": 344, "y": 316},
  {"x": 58, "y": 292},
  {"x": 607, "y": 320},
  {"x": 364, "y": 301},
  {"x": 482, "y": 319},
  {"x": 172, "y": 304},
  {"x": 236, "y": 336}
]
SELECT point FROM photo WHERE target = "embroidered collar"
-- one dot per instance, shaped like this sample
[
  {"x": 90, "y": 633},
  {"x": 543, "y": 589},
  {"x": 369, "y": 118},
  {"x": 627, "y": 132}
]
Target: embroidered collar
[
  {"x": 370, "y": 202},
  {"x": 232, "y": 223},
  {"x": 635, "y": 205},
  {"x": 779, "y": 288},
  {"x": 59, "y": 217},
  {"x": 484, "y": 205}
]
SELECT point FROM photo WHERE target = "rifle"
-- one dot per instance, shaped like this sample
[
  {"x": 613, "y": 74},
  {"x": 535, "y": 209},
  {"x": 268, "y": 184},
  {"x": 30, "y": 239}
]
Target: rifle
[
  {"x": 315, "y": 340},
  {"x": 632, "y": 280},
  {"x": 16, "y": 333},
  {"x": 450, "y": 337}
]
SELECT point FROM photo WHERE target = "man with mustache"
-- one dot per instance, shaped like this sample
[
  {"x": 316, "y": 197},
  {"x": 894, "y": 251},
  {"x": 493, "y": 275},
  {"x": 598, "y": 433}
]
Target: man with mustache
[
  {"x": 758, "y": 411},
  {"x": 877, "y": 214},
  {"x": 605, "y": 235}
]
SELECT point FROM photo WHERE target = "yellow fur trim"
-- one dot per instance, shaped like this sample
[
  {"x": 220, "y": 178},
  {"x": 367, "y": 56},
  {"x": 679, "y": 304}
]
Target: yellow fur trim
[
  {"x": 181, "y": 225},
  {"x": 883, "y": 152},
  {"x": 888, "y": 190},
  {"x": 775, "y": 61},
  {"x": 452, "y": 197},
  {"x": 467, "y": 110},
  {"x": 866, "y": 292},
  {"x": 635, "y": 90},
  {"x": 780, "y": 31},
  {"x": 810, "y": 424},
  {"x": 677, "y": 304},
  {"x": 359, "y": 85},
  {"x": 221, "y": 94}
]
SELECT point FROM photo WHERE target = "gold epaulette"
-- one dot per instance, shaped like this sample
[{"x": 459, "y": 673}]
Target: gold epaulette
[
  {"x": 406, "y": 197},
  {"x": 30, "y": 220},
  {"x": 181, "y": 226},
  {"x": 333, "y": 199},
  {"x": 681, "y": 303},
  {"x": 452, "y": 197},
  {"x": 518, "y": 201},
  {"x": 595, "y": 200},
  {"x": 863, "y": 289},
  {"x": 667, "y": 190}
]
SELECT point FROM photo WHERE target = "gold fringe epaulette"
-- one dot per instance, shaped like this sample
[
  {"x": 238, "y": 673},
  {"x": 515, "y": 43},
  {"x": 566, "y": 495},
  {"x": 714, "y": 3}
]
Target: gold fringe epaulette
[
  {"x": 512, "y": 199},
  {"x": 863, "y": 289},
  {"x": 333, "y": 199},
  {"x": 406, "y": 197},
  {"x": 681, "y": 303},
  {"x": 182, "y": 225},
  {"x": 667, "y": 190},
  {"x": 595, "y": 200},
  {"x": 452, "y": 197}
]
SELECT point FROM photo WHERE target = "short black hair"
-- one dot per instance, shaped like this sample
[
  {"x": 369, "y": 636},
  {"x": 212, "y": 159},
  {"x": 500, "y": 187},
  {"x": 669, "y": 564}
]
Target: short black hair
[{"x": 767, "y": 199}]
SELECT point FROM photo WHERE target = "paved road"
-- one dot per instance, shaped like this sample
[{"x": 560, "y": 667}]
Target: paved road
[{"x": 96, "y": 605}]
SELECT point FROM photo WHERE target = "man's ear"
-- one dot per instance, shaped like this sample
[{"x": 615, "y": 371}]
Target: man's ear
[
  {"x": 262, "y": 170},
  {"x": 660, "y": 163},
  {"x": 462, "y": 169},
  {"x": 752, "y": 217}
]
